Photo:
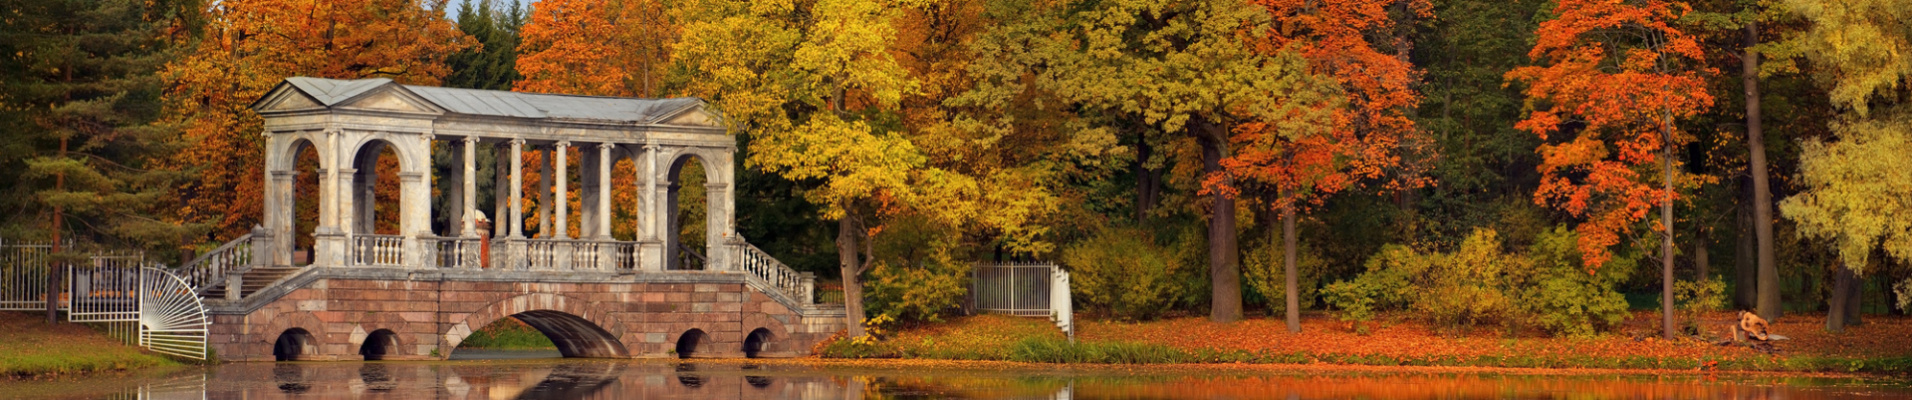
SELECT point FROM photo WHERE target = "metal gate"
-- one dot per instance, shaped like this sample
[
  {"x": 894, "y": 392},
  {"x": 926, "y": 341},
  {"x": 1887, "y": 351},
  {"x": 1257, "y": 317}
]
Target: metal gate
[
  {"x": 136, "y": 302},
  {"x": 1028, "y": 290}
]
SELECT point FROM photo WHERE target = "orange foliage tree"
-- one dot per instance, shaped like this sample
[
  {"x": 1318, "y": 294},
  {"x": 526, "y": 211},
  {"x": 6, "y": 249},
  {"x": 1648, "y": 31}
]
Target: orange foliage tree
[
  {"x": 601, "y": 48},
  {"x": 1614, "y": 76},
  {"x": 597, "y": 47},
  {"x": 248, "y": 47},
  {"x": 1364, "y": 137}
]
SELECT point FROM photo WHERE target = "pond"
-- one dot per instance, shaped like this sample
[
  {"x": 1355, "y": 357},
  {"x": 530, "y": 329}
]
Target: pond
[{"x": 510, "y": 375}]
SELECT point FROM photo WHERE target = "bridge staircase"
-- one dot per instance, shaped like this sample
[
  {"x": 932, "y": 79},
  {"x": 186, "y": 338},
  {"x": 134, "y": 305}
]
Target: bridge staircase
[{"x": 252, "y": 280}]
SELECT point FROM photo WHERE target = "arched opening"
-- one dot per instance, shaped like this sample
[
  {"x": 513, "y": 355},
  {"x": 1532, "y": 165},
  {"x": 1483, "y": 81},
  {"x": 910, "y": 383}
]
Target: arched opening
[
  {"x": 380, "y": 344},
  {"x": 754, "y": 343},
  {"x": 304, "y": 203},
  {"x": 688, "y": 202},
  {"x": 569, "y": 335},
  {"x": 375, "y": 189},
  {"x": 294, "y": 344},
  {"x": 691, "y": 343}
]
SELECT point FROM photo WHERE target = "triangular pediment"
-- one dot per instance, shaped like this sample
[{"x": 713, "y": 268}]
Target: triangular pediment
[
  {"x": 390, "y": 98},
  {"x": 285, "y": 98},
  {"x": 696, "y": 115},
  {"x": 304, "y": 93}
]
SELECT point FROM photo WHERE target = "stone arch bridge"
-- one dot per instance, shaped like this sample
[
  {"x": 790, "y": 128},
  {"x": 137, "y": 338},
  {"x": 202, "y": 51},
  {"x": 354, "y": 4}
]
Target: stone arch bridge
[{"x": 352, "y": 287}]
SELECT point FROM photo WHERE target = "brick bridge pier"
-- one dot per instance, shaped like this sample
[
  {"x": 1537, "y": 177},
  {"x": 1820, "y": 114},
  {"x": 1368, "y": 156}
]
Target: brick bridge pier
[{"x": 354, "y": 286}]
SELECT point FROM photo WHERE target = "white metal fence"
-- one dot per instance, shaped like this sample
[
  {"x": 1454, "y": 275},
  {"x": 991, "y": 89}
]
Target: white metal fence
[
  {"x": 136, "y": 301},
  {"x": 1029, "y": 290}
]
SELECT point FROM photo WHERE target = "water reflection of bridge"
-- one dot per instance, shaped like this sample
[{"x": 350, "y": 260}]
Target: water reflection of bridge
[
  {"x": 536, "y": 380},
  {"x": 350, "y": 286}
]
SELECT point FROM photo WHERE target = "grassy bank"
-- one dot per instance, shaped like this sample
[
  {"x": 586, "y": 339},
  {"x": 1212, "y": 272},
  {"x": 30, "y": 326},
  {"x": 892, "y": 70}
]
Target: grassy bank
[
  {"x": 30, "y": 347},
  {"x": 1877, "y": 348},
  {"x": 507, "y": 334}
]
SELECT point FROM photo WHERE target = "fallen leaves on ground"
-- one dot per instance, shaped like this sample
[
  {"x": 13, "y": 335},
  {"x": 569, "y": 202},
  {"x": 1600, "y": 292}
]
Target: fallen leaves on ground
[{"x": 1401, "y": 337}]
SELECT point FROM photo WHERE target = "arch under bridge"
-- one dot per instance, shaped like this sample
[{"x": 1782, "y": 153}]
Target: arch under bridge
[{"x": 355, "y": 285}]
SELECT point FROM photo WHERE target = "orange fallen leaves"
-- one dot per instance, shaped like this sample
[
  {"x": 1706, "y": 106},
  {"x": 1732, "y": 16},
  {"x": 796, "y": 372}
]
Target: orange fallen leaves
[{"x": 1405, "y": 338}]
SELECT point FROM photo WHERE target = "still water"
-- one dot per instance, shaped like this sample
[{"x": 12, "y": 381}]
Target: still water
[{"x": 509, "y": 375}]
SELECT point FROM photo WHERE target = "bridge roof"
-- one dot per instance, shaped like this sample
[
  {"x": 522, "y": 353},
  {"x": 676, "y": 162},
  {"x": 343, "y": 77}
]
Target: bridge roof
[{"x": 494, "y": 103}]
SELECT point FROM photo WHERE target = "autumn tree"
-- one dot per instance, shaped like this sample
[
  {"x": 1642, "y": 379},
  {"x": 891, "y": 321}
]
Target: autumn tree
[
  {"x": 1613, "y": 80},
  {"x": 802, "y": 79},
  {"x": 1306, "y": 161},
  {"x": 1185, "y": 68},
  {"x": 598, "y": 47},
  {"x": 80, "y": 81},
  {"x": 1858, "y": 190},
  {"x": 248, "y": 47}
]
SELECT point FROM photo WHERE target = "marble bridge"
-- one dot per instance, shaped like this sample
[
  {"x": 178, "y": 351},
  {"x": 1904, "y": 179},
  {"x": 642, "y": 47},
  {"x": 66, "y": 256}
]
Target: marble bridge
[{"x": 352, "y": 287}]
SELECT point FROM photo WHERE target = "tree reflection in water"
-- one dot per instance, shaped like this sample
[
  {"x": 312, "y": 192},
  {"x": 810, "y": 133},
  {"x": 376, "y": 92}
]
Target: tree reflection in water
[{"x": 647, "y": 379}]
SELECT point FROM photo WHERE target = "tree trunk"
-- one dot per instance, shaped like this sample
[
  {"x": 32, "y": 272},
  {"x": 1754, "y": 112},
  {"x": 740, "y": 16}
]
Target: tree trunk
[
  {"x": 1145, "y": 179},
  {"x": 1666, "y": 245},
  {"x": 1839, "y": 311},
  {"x": 1700, "y": 262},
  {"x": 1769, "y": 307},
  {"x": 851, "y": 268},
  {"x": 53, "y": 263},
  {"x": 1745, "y": 268},
  {"x": 1291, "y": 288},
  {"x": 1224, "y": 266},
  {"x": 1854, "y": 295}
]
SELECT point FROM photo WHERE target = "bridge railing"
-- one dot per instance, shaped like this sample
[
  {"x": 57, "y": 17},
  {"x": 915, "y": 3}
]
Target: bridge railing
[
  {"x": 378, "y": 250},
  {"x": 792, "y": 283},
  {"x": 603, "y": 255},
  {"x": 210, "y": 269},
  {"x": 451, "y": 252}
]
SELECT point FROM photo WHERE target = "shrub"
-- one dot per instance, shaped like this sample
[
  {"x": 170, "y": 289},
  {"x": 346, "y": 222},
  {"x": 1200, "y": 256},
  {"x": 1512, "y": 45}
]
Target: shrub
[
  {"x": 1385, "y": 285},
  {"x": 1563, "y": 297},
  {"x": 915, "y": 294},
  {"x": 1121, "y": 272},
  {"x": 1905, "y": 294},
  {"x": 1480, "y": 283},
  {"x": 1464, "y": 288},
  {"x": 1697, "y": 297},
  {"x": 1266, "y": 274},
  {"x": 916, "y": 276}
]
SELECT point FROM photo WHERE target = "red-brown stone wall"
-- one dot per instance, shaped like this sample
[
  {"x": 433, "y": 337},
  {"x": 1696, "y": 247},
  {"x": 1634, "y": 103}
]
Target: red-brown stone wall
[{"x": 430, "y": 317}]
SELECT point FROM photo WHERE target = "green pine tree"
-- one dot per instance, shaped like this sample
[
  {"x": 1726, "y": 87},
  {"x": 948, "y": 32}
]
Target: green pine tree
[{"x": 81, "y": 99}]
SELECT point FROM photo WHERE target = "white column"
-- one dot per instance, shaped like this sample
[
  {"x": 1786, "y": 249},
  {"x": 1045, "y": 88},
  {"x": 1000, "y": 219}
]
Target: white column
[
  {"x": 471, "y": 188},
  {"x": 647, "y": 221},
  {"x": 517, "y": 188},
  {"x": 348, "y": 221},
  {"x": 604, "y": 191},
  {"x": 329, "y": 181},
  {"x": 562, "y": 209}
]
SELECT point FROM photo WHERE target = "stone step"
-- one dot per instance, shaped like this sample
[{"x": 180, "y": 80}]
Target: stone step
[{"x": 252, "y": 281}]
